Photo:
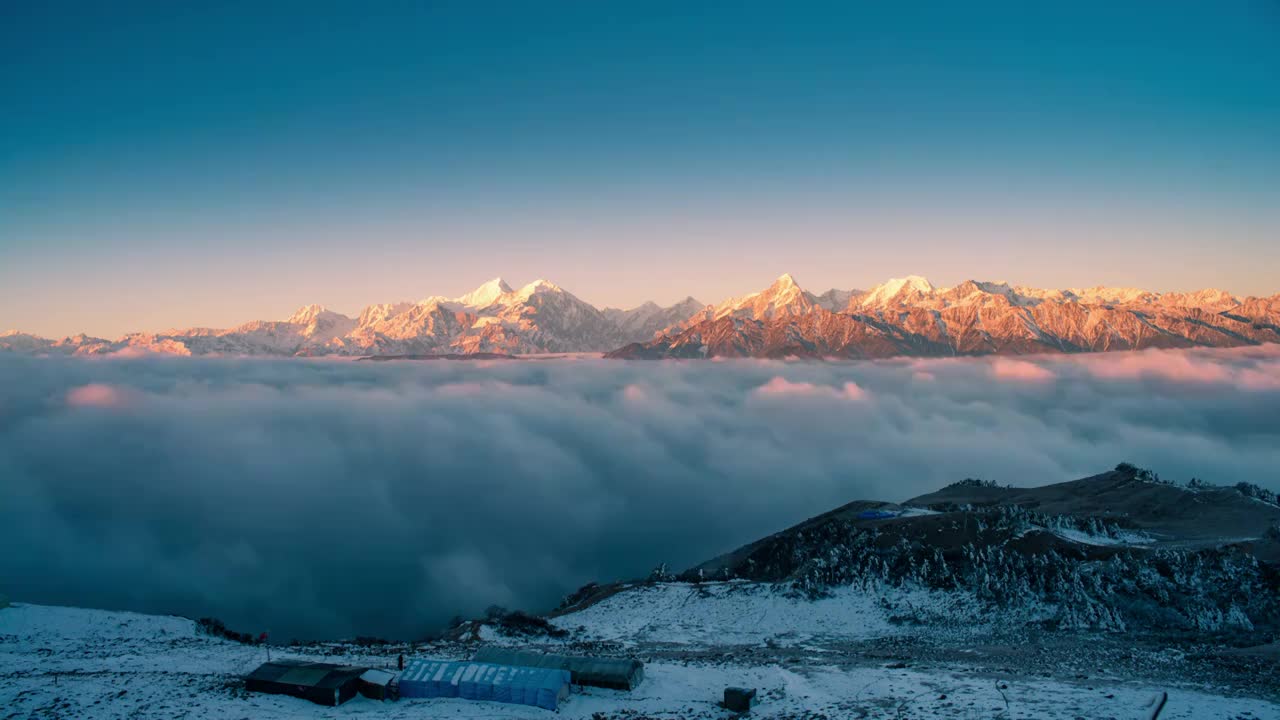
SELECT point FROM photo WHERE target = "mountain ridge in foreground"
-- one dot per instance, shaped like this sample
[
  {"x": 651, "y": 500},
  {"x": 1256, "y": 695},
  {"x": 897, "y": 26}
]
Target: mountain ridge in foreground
[
  {"x": 1113, "y": 596},
  {"x": 1216, "y": 549},
  {"x": 901, "y": 317}
]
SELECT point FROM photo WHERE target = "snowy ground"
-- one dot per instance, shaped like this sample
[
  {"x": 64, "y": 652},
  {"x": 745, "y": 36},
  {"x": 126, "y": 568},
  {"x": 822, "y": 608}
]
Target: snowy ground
[
  {"x": 745, "y": 613},
  {"x": 1084, "y": 538},
  {"x": 73, "y": 663}
]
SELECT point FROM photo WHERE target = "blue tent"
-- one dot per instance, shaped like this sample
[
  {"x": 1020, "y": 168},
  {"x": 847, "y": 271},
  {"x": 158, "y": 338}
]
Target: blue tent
[
  {"x": 615, "y": 673},
  {"x": 540, "y": 687}
]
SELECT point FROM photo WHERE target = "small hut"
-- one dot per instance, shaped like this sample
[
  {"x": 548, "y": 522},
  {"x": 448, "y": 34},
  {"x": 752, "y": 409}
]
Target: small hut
[
  {"x": 378, "y": 684},
  {"x": 321, "y": 683}
]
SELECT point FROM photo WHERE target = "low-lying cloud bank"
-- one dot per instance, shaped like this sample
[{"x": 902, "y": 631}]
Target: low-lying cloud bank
[{"x": 323, "y": 499}]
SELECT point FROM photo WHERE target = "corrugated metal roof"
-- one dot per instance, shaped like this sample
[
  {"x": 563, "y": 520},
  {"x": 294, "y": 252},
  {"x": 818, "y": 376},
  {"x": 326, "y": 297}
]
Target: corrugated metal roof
[{"x": 308, "y": 674}]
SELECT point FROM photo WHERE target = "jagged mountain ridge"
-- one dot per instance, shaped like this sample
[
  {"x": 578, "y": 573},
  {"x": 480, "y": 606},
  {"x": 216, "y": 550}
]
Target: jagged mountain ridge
[
  {"x": 903, "y": 316},
  {"x": 1103, "y": 510},
  {"x": 1114, "y": 550},
  {"x": 540, "y": 317},
  {"x": 909, "y": 316},
  {"x": 1118, "y": 551}
]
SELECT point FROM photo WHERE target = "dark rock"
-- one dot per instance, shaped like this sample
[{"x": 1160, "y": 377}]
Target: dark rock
[{"x": 739, "y": 699}]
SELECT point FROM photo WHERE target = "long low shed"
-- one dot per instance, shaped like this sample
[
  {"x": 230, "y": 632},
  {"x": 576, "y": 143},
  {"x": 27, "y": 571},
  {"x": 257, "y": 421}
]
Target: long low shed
[
  {"x": 321, "y": 683},
  {"x": 540, "y": 687},
  {"x": 615, "y": 673}
]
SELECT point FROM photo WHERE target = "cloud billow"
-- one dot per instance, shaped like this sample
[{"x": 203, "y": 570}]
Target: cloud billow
[{"x": 329, "y": 498}]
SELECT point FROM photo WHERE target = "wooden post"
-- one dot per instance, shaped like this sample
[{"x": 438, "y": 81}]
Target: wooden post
[{"x": 1157, "y": 704}]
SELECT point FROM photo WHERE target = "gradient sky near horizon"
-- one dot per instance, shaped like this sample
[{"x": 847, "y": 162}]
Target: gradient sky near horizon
[{"x": 173, "y": 164}]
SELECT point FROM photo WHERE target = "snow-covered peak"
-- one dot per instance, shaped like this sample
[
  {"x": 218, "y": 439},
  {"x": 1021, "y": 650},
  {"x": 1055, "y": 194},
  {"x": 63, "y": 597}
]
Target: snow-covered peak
[
  {"x": 915, "y": 283},
  {"x": 536, "y": 287},
  {"x": 14, "y": 340},
  {"x": 783, "y": 298},
  {"x": 380, "y": 312},
  {"x": 783, "y": 283},
  {"x": 897, "y": 290},
  {"x": 486, "y": 294},
  {"x": 995, "y": 288},
  {"x": 1114, "y": 295},
  {"x": 1209, "y": 298},
  {"x": 784, "y": 292},
  {"x": 974, "y": 288},
  {"x": 306, "y": 314},
  {"x": 1211, "y": 295}
]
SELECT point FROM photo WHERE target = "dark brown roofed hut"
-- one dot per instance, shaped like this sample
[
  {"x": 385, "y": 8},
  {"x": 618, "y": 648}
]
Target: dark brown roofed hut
[{"x": 321, "y": 683}]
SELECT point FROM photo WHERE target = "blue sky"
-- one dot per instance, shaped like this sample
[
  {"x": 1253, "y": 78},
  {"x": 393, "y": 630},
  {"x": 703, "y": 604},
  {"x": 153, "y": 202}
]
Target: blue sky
[{"x": 168, "y": 165}]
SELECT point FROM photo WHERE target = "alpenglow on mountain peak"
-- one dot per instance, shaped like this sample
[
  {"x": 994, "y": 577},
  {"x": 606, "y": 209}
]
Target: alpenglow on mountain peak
[
  {"x": 486, "y": 294},
  {"x": 906, "y": 316},
  {"x": 307, "y": 314},
  {"x": 539, "y": 285},
  {"x": 896, "y": 289}
]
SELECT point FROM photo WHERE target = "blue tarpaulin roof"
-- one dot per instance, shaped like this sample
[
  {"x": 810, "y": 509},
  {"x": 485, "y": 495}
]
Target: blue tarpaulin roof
[
  {"x": 616, "y": 673},
  {"x": 540, "y": 687}
]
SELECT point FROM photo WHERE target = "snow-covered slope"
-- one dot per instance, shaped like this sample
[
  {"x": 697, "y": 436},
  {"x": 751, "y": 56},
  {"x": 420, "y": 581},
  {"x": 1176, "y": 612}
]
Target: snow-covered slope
[
  {"x": 642, "y": 322},
  {"x": 60, "y": 662},
  {"x": 27, "y": 344},
  {"x": 835, "y": 299},
  {"x": 783, "y": 299},
  {"x": 485, "y": 295},
  {"x": 20, "y": 342},
  {"x": 539, "y": 317},
  {"x": 909, "y": 290}
]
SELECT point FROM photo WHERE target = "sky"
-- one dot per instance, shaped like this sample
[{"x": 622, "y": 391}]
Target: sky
[{"x": 203, "y": 164}]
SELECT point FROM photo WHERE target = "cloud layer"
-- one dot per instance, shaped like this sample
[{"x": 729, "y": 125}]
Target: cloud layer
[{"x": 325, "y": 499}]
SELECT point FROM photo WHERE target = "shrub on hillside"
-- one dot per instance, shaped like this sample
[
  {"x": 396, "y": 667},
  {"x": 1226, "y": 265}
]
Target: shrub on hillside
[
  {"x": 974, "y": 482},
  {"x": 521, "y": 624},
  {"x": 217, "y": 628},
  {"x": 1257, "y": 493}
]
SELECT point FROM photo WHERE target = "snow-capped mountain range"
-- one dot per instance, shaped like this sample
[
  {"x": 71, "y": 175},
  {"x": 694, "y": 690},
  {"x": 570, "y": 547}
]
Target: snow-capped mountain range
[
  {"x": 903, "y": 316},
  {"x": 540, "y": 317},
  {"x": 909, "y": 316}
]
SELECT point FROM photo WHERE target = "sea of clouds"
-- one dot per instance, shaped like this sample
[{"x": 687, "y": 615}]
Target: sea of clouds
[{"x": 319, "y": 499}]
